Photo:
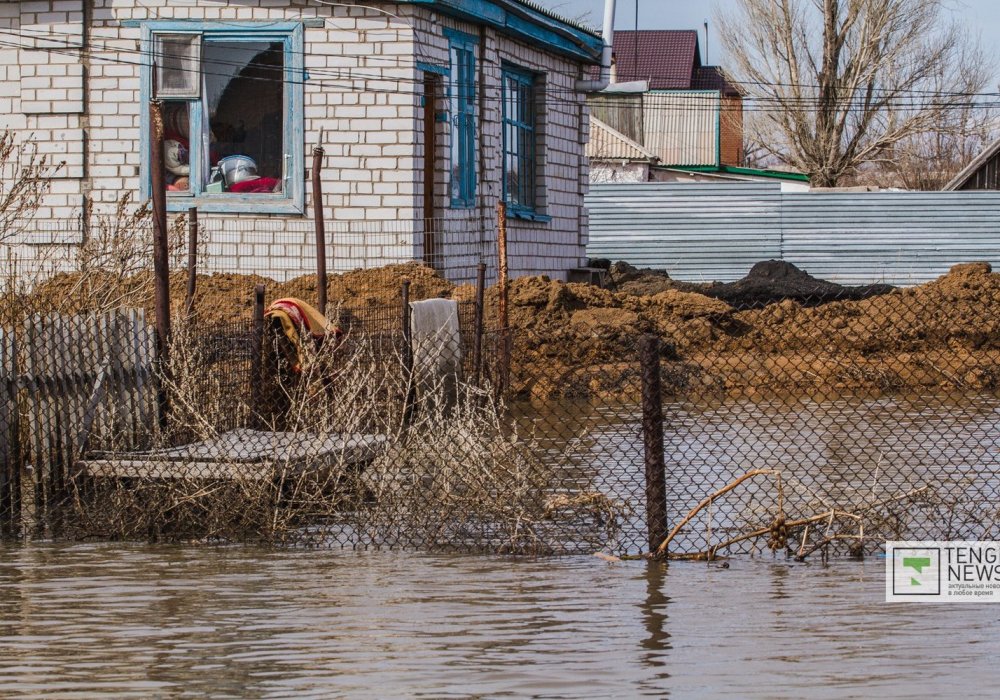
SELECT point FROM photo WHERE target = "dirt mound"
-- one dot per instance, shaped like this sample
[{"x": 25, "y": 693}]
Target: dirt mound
[
  {"x": 772, "y": 281},
  {"x": 371, "y": 287},
  {"x": 576, "y": 338},
  {"x": 228, "y": 298},
  {"x": 631, "y": 280}
]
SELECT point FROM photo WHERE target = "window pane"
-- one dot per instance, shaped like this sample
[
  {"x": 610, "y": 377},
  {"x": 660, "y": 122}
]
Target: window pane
[
  {"x": 176, "y": 58},
  {"x": 177, "y": 147},
  {"x": 244, "y": 103}
]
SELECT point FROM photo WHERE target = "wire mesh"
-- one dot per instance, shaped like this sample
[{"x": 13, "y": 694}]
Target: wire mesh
[{"x": 797, "y": 419}]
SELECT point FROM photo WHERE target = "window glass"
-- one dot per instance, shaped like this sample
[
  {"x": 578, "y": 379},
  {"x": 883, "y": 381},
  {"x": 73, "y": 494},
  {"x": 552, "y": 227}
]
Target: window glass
[
  {"x": 235, "y": 143},
  {"x": 519, "y": 140},
  {"x": 176, "y": 57},
  {"x": 243, "y": 116},
  {"x": 462, "y": 99},
  {"x": 177, "y": 147}
]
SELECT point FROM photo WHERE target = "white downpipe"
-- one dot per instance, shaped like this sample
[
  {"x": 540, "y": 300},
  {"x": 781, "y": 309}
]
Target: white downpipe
[{"x": 609, "y": 36}]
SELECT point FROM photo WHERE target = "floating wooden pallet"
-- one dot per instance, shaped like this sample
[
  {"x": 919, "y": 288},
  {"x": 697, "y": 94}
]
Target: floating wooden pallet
[{"x": 239, "y": 455}]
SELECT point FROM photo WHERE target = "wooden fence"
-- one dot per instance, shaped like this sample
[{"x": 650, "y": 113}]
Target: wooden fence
[{"x": 66, "y": 384}]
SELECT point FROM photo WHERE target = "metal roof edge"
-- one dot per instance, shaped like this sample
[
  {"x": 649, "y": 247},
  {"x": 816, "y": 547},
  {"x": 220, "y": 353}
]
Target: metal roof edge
[
  {"x": 527, "y": 21},
  {"x": 966, "y": 173},
  {"x": 748, "y": 172},
  {"x": 625, "y": 139}
]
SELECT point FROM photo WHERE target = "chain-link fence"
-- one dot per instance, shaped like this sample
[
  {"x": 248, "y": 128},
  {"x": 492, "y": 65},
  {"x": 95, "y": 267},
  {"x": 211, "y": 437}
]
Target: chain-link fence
[{"x": 796, "y": 416}]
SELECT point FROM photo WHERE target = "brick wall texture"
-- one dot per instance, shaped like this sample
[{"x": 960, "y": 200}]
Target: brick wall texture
[{"x": 70, "y": 83}]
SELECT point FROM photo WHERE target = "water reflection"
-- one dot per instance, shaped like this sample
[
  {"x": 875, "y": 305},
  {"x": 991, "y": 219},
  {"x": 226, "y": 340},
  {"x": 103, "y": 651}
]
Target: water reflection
[{"x": 100, "y": 620}]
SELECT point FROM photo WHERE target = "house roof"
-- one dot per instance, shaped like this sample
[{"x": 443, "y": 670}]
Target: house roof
[
  {"x": 606, "y": 143},
  {"x": 668, "y": 59},
  {"x": 788, "y": 175},
  {"x": 527, "y": 21},
  {"x": 970, "y": 170}
]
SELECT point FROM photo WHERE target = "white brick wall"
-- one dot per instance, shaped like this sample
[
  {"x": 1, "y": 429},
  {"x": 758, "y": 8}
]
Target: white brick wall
[{"x": 364, "y": 93}]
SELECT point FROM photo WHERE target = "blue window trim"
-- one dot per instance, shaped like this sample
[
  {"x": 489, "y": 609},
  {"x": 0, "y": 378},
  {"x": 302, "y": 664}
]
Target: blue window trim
[
  {"x": 292, "y": 200},
  {"x": 432, "y": 68},
  {"x": 462, "y": 93},
  {"x": 529, "y": 79}
]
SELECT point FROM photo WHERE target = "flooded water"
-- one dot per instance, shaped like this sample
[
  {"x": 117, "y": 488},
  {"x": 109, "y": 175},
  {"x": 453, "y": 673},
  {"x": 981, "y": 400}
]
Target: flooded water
[{"x": 172, "y": 622}]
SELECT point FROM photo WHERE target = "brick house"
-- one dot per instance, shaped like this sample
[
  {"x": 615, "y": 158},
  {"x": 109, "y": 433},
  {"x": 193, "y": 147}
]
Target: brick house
[
  {"x": 663, "y": 100},
  {"x": 430, "y": 112}
]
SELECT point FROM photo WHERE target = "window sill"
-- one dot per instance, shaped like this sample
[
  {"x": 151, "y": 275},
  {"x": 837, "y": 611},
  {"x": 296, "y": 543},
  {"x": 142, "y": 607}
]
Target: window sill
[
  {"x": 528, "y": 216},
  {"x": 248, "y": 204}
]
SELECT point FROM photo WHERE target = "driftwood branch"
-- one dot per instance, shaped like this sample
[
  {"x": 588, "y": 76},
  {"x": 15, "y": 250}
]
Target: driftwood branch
[{"x": 707, "y": 501}]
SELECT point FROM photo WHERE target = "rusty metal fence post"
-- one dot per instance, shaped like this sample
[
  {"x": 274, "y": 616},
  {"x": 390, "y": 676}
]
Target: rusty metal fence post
[
  {"x": 257, "y": 358},
  {"x": 161, "y": 263},
  {"x": 318, "y": 213},
  {"x": 652, "y": 438},
  {"x": 503, "y": 380},
  {"x": 192, "y": 280},
  {"x": 477, "y": 347}
]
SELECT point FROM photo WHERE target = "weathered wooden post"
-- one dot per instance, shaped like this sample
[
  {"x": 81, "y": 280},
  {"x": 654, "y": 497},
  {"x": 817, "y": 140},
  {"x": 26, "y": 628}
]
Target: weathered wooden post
[
  {"x": 503, "y": 380},
  {"x": 161, "y": 264},
  {"x": 652, "y": 436},
  {"x": 318, "y": 213},
  {"x": 477, "y": 347},
  {"x": 192, "y": 280}
]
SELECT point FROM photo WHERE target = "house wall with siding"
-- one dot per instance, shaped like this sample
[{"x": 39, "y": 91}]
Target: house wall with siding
[{"x": 52, "y": 93}]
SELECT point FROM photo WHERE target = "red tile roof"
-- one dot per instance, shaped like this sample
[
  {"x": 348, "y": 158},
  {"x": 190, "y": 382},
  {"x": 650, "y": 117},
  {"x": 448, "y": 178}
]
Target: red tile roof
[{"x": 667, "y": 58}]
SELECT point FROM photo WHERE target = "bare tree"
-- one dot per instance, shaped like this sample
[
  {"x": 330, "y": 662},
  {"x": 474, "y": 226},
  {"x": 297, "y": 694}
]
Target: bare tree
[{"x": 837, "y": 84}]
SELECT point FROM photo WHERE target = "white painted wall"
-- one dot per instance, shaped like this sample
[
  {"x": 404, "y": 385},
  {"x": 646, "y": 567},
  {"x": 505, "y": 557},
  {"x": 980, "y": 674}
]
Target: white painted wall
[{"x": 372, "y": 121}]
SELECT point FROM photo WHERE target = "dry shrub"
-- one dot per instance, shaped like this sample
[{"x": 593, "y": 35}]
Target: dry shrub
[
  {"x": 453, "y": 475},
  {"x": 464, "y": 478},
  {"x": 24, "y": 180}
]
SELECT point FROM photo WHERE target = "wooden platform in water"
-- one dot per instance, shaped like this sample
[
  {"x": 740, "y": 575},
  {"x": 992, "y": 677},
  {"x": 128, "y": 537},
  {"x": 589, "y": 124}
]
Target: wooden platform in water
[{"x": 239, "y": 455}]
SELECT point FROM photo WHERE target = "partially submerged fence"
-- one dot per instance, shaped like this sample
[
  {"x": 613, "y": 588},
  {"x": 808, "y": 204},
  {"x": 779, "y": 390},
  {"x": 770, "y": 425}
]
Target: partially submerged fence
[
  {"x": 820, "y": 425},
  {"x": 67, "y": 383}
]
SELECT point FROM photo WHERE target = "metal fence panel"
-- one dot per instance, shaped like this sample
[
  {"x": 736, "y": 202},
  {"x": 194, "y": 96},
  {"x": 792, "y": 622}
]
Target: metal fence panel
[
  {"x": 694, "y": 231},
  {"x": 702, "y": 232}
]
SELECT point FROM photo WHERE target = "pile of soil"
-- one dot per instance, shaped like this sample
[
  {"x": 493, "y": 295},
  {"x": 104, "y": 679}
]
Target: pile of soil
[
  {"x": 775, "y": 280},
  {"x": 767, "y": 282},
  {"x": 778, "y": 328},
  {"x": 223, "y": 298}
]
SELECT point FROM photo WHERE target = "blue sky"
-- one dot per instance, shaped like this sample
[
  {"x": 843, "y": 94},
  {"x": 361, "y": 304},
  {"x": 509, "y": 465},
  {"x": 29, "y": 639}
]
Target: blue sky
[{"x": 981, "y": 16}]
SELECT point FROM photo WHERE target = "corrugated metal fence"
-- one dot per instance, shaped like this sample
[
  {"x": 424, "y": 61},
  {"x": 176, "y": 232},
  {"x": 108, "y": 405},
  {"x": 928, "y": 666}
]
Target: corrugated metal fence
[{"x": 709, "y": 231}]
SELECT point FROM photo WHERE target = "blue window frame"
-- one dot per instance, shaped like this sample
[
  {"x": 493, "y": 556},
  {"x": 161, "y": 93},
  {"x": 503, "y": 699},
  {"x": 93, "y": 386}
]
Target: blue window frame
[
  {"x": 228, "y": 89},
  {"x": 462, "y": 103},
  {"x": 519, "y": 140}
]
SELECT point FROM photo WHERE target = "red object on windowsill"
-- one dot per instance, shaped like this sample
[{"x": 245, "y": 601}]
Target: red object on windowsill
[{"x": 261, "y": 184}]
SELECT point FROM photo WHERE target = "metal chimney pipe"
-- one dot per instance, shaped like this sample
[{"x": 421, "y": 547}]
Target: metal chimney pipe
[{"x": 609, "y": 36}]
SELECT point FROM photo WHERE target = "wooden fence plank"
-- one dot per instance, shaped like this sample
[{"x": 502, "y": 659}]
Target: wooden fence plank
[{"x": 85, "y": 380}]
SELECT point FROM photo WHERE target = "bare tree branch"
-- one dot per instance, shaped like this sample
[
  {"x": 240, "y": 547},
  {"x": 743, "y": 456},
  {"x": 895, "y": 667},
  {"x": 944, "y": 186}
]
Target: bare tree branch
[{"x": 837, "y": 84}]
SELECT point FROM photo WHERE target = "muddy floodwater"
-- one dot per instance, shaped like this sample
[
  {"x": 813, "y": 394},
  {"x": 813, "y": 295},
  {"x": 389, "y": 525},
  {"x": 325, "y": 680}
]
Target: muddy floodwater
[{"x": 95, "y": 621}]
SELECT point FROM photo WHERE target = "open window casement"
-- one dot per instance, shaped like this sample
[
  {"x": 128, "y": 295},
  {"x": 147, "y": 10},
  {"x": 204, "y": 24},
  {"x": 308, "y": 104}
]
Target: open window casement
[
  {"x": 177, "y": 58},
  {"x": 231, "y": 96}
]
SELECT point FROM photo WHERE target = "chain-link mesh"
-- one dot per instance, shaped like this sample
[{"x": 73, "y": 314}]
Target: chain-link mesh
[
  {"x": 864, "y": 414},
  {"x": 795, "y": 418}
]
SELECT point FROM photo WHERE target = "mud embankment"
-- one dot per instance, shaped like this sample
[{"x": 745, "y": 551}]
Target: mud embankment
[{"x": 778, "y": 329}]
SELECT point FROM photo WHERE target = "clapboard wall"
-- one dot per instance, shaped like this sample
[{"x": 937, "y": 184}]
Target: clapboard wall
[{"x": 708, "y": 231}]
